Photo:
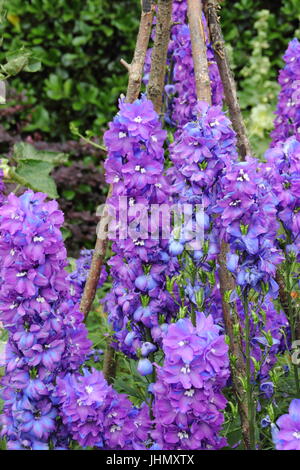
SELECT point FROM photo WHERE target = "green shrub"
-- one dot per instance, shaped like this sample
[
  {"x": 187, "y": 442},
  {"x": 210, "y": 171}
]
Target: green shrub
[{"x": 79, "y": 44}]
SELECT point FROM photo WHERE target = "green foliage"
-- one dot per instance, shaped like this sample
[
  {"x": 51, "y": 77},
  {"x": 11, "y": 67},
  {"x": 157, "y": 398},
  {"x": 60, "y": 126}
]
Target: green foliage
[
  {"x": 18, "y": 61},
  {"x": 33, "y": 168},
  {"x": 258, "y": 33},
  {"x": 259, "y": 92},
  {"x": 79, "y": 45}
]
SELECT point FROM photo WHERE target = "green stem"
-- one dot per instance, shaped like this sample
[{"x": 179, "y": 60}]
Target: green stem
[
  {"x": 193, "y": 316},
  {"x": 250, "y": 401},
  {"x": 292, "y": 323},
  {"x": 153, "y": 375},
  {"x": 90, "y": 142}
]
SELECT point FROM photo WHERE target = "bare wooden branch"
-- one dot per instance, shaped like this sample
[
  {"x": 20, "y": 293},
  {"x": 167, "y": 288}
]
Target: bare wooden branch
[
  {"x": 133, "y": 89},
  {"x": 203, "y": 90},
  {"x": 135, "y": 78},
  {"x": 159, "y": 53},
  {"x": 138, "y": 61},
  {"x": 125, "y": 64},
  {"x": 238, "y": 369},
  {"x": 230, "y": 92},
  {"x": 227, "y": 284},
  {"x": 155, "y": 93}
]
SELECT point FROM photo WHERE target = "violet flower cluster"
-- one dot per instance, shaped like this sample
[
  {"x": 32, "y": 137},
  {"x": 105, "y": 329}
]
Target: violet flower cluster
[
  {"x": 287, "y": 122},
  {"x": 282, "y": 171},
  {"x": 135, "y": 168},
  {"x": 188, "y": 400},
  {"x": 47, "y": 337},
  {"x": 201, "y": 151},
  {"x": 246, "y": 206},
  {"x": 96, "y": 416},
  {"x": 286, "y": 432}
]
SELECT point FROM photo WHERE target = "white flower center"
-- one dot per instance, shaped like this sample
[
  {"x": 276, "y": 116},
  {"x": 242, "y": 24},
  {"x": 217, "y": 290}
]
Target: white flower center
[
  {"x": 22, "y": 274},
  {"x": 138, "y": 119},
  {"x": 243, "y": 176},
  {"x": 235, "y": 203},
  {"x": 131, "y": 202},
  {"x": 40, "y": 300},
  {"x": 115, "y": 428},
  {"x": 183, "y": 435},
  {"x": 12, "y": 252},
  {"x": 89, "y": 389},
  {"x": 116, "y": 179},
  {"x": 185, "y": 370},
  {"x": 122, "y": 135},
  {"x": 154, "y": 138},
  {"x": 72, "y": 290},
  {"x": 38, "y": 239},
  {"x": 139, "y": 242},
  {"x": 296, "y": 434},
  {"x": 140, "y": 169},
  {"x": 190, "y": 392}
]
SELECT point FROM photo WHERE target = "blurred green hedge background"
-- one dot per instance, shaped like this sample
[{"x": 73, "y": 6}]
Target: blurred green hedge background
[{"x": 80, "y": 44}]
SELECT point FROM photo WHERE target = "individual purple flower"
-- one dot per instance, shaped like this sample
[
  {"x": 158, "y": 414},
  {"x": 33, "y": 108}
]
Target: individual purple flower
[
  {"x": 286, "y": 436},
  {"x": 144, "y": 367}
]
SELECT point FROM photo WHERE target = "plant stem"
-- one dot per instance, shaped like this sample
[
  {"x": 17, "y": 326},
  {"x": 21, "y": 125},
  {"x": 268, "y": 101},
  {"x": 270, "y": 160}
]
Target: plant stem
[
  {"x": 133, "y": 89},
  {"x": 159, "y": 53},
  {"x": 250, "y": 401},
  {"x": 202, "y": 80},
  {"x": 292, "y": 322},
  {"x": 230, "y": 92},
  {"x": 238, "y": 372},
  {"x": 233, "y": 331},
  {"x": 153, "y": 375}
]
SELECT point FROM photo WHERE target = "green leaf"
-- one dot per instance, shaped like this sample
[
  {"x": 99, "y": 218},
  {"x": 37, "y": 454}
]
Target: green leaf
[
  {"x": 25, "y": 151},
  {"x": 68, "y": 194},
  {"x": 35, "y": 174},
  {"x": 40, "y": 120},
  {"x": 15, "y": 65},
  {"x": 33, "y": 65},
  {"x": 66, "y": 233},
  {"x": 79, "y": 40}
]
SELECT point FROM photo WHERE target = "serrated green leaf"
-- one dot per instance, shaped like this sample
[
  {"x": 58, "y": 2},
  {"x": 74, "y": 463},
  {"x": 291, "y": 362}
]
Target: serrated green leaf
[
  {"x": 35, "y": 174},
  {"x": 25, "y": 151},
  {"x": 33, "y": 65}
]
